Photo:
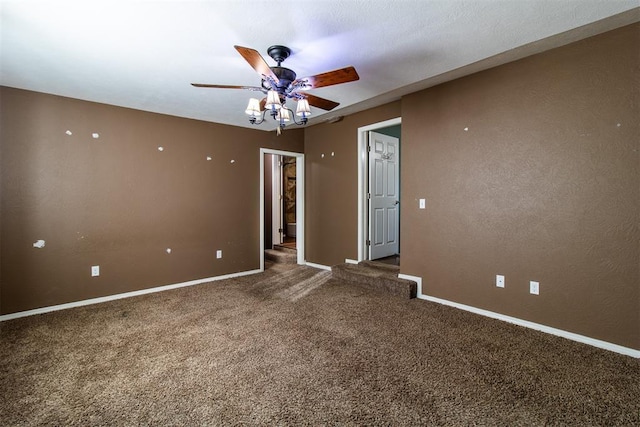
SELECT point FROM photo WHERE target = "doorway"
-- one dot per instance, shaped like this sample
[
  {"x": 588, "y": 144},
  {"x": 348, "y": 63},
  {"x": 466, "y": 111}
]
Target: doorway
[
  {"x": 290, "y": 214},
  {"x": 288, "y": 199},
  {"x": 379, "y": 198},
  {"x": 280, "y": 201}
]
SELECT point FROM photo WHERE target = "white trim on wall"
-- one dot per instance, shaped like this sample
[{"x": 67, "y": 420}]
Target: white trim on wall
[
  {"x": 299, "y": 202},
  {"x": 320, "y": 266},
  {"x": 363, "y": 159},
  {"x": 123, "y": 295},
  {"x": 276, "y": 203},
  {"x": 525, "y": 323}
]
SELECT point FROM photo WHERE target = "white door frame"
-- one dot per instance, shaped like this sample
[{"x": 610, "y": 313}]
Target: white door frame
[
  {"x": 276, "y": 200},
  {"x": 299, "y": 202},
  {"x": 363, "y": 179}
]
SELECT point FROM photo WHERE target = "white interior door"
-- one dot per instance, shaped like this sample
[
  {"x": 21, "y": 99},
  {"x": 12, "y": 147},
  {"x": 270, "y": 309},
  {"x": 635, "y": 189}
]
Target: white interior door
[{"x": 384, "y": 195}]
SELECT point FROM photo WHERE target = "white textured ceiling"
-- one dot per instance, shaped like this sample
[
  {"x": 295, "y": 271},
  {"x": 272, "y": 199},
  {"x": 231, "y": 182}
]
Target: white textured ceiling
[{"x": 145, "y": 54}]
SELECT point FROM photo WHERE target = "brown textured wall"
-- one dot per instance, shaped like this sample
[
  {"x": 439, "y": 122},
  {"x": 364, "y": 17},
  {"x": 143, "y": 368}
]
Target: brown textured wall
[
  {"x": 332, "y": 185},
  {"x": 532, "y": 170},
  {"x": 118, "y": 202}
]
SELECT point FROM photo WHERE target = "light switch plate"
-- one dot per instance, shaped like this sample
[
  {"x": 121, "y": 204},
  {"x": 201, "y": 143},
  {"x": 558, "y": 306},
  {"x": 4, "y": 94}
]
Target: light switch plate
[
  {"x": 534, "y": 288},
  {"x": 95, "y": 270},
  {"x": 423, "y": 203},
  {"x": 499, "y": 280}
]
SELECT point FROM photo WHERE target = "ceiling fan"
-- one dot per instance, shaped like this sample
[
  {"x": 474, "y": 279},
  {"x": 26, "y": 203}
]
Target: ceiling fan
[{"x": 281, "y": 83}]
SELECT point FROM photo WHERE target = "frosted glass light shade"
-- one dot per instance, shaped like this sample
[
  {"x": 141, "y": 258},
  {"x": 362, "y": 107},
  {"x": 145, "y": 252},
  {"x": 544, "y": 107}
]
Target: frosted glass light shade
[
  {"x": 253, "y": 109},
  {"x": 273, "y": 100},
  {"x": 283, "y": 115},
  {"x": 303, "y": 109}
]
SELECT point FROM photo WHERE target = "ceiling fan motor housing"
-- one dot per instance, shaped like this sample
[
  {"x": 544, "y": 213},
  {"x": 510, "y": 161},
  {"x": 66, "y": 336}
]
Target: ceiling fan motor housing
[{"x": 285, "y": 75}]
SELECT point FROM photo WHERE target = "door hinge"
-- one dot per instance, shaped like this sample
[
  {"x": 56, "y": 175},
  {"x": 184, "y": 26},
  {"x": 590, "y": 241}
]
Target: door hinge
[
  {"x": 368, "y": 242},
  {"x": 369, "y": 196},
  {"x": 368, "y": 148},
  {"x": 280, "y": 230}
]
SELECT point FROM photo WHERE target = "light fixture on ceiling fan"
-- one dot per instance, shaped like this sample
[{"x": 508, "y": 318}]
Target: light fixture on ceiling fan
[
  {"x": 278, "y": 110},
  {"x": 280, "y": 83}
]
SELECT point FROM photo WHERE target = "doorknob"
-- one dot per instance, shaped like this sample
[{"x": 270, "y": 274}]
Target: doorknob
[{"x": 397, "y": 202}]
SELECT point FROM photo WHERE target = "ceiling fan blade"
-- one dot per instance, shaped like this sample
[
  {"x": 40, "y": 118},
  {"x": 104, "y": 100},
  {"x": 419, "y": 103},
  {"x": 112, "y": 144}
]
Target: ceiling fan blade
[
  {"x": 256, "y": 61},
  {"x": 227, "y": 86},
  {"x": 325, "y": 104},
  {"x": 343, "y": 75}
]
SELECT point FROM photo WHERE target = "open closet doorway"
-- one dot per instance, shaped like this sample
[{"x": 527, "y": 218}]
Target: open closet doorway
[
  {"x": 379, "y": 198},
  {"x": 281, "y": 202}
]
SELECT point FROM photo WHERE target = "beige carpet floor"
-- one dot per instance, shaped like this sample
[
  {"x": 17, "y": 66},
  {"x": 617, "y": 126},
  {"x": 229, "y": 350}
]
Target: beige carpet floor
[{"x": 297, "y": 347}]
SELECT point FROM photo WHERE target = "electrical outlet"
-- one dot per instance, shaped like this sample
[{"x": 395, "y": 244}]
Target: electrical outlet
[
  {"x": 219, "y": 254},
  {"x": 95, "y": 270},
  {"x": 534, "y": 288},
  {"x": 500, "y": 281}
]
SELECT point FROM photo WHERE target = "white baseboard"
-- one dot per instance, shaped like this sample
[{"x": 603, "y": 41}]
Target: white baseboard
[
  {"x": 121, "y": 296},
  {"x": 547, "y": 329},
  {"x": 320, "y": 266},
  {"x": 350, "y": 261},
  {"x": 520, "y": 322}
]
